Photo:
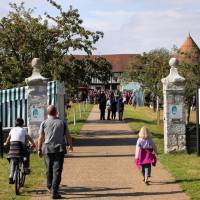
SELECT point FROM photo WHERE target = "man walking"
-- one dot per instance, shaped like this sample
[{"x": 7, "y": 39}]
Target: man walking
[
  {"x": 53, "y": 133},
  {"x": 102, "y": 105}
]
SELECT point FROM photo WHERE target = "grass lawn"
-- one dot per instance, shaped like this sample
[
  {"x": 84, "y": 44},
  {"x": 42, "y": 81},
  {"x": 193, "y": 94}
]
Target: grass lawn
[
  {"x": 37, "y": 175},
  {"x": 75, "y": 108},
  {"x": 7, "y": 192},
  {"x": 185, "y": 168}
]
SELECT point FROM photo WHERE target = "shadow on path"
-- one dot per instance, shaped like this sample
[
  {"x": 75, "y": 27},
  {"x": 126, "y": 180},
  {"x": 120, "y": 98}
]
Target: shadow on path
[
  {"x": 100, "y": 192},
  {"x": 104, "y": 121},
  {"x": 127, "y": 120},
  {"x": 86, "y": 193},
  {"x": 100, "y": 156},
  {"x": 105, "y": 142},
  {"x": 91, "y": 133}
]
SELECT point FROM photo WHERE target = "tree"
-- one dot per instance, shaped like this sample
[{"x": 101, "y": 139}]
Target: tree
[
  {"x": 81, "y": 71},
  {"x": 155, "y": 67},
  {"x": 191, "y": 72},
  {"x": 101, "y": 69},
  {"x": 150, "y": 68},
  {"x": 23, "y": 37},
  {"x": 134, "y": 71}
]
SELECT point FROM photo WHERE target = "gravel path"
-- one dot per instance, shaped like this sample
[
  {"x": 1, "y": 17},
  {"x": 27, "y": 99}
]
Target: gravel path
[{"x": 102, "y": 167}]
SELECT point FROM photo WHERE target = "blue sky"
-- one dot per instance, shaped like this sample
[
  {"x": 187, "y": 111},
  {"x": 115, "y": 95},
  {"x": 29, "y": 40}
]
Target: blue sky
[{"x": 131, "y": 26}]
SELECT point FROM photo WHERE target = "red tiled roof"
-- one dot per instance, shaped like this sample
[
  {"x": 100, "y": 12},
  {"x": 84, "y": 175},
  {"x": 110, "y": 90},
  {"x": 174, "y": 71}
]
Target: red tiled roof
[
  {"x": 188, "y": 50},
  {"x": 119, "y": 62}
]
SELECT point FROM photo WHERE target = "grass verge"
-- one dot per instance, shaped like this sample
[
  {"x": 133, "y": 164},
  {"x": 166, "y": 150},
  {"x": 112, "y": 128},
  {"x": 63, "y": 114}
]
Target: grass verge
[
  {"x": 7, "y": 191},
  {"x": 185, "y": 168},
  {"x": 75, "y": 108}
]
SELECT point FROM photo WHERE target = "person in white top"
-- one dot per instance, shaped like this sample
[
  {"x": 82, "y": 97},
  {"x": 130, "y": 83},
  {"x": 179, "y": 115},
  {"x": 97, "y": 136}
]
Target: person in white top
[
  {"x": 18, "y": 149},
  {"x": 108, "y": 106},
  {"x": 17, "y": 134}
]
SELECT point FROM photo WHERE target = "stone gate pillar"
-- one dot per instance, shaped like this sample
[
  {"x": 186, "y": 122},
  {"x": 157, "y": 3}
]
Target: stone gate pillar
[
  {"x": 174, "y": 112},
  {"x": 37, "y": 98}
]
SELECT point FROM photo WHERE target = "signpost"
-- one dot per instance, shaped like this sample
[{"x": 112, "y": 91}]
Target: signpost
[{"x": 198, "y": 120}]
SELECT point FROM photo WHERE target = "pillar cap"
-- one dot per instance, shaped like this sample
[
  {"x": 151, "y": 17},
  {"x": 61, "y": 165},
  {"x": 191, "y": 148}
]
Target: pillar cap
[
  {"x": 36, "y": 76},
  {"x": 174, "y": 78},
  {"x": 173, "y": 62}
]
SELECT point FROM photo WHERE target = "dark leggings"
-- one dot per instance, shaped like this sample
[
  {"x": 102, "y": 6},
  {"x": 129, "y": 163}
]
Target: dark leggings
[{"x": 146, "y": 170}]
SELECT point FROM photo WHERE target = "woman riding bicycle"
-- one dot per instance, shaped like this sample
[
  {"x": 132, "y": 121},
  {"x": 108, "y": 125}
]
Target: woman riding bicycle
[{"x": 18, "y": 149}]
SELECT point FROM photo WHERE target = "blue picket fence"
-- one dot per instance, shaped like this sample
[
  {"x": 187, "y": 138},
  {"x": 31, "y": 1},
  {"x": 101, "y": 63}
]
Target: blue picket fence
[{"x": 13, "y": 103}]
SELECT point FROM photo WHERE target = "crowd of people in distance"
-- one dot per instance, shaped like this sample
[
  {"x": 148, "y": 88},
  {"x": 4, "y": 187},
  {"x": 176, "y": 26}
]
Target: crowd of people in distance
[
  {"x": 113, "y": 102},
  {"x": 128, "y": 97}
]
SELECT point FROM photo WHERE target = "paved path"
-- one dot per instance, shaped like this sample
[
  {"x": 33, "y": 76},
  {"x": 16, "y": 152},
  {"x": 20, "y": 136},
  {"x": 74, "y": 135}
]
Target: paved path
[{"x": 102, "y": 167}]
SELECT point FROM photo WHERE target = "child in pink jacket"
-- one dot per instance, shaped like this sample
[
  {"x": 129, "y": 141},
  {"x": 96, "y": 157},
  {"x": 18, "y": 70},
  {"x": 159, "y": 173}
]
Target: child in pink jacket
[{"x": 145, "y": 153}]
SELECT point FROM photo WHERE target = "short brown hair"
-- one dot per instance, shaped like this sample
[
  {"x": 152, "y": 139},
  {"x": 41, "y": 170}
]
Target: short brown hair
[{"x": 51, "y": 110}]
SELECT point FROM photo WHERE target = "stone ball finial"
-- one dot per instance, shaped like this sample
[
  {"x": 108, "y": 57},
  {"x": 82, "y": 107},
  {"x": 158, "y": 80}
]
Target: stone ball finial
[
  {"x": 36, "y": 64},
  {"x": 173, "y": 62},
  {"x": 36, "y": 78}
]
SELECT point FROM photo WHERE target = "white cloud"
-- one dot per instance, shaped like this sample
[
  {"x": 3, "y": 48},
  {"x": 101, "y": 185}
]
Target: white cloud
[
  {"x": 113, "y": 14},
  {"x": 119, "y": 1},
  {"x": 96, "y": 24},
  {"x": 106, "y": 20},
  {"x": 148, "y": 30},
  {"x": 132, "y": 26}
]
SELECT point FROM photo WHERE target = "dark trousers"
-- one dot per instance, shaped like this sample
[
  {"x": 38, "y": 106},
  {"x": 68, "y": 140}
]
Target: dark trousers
[
  {"x": 120, "y": 115},
  {"x": 113, "y": 114},
  {"x": 108, "y": 117},
  {"x": 26, "y": 157},
  {"x": 146, "y": 170},
  {"x": 54, "y": 166},
  {"x": 102, "y": 114}
]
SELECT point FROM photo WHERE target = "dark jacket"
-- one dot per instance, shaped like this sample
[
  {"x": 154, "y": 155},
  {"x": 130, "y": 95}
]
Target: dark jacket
[
  {"x": 102, "y": 102},
  {"x": 120, "y": 105},
  {"x": 113, "y": 103}
]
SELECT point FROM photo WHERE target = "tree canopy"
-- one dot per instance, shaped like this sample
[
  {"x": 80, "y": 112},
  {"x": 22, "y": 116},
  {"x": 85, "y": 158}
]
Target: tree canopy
[
  {"x": 191, "y": 73},
  {"x": 81, "y": 71},
  {"x": 24, "y": 36},
  {"x": 153, "y": 66},
  {"x": 149, "y": 69}
]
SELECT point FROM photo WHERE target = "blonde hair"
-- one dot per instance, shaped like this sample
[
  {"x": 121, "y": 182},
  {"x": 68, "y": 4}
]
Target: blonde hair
[{"x": 144, "y": 133}]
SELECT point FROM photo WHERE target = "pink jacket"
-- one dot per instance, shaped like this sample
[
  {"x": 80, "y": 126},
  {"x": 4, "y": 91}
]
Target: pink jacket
[{"x": 144, "y": 153}]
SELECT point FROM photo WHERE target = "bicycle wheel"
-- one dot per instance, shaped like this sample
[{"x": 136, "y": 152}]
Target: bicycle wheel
[
  {"x": 17, "y": 180},
  {"x": 22, "y": 178}
]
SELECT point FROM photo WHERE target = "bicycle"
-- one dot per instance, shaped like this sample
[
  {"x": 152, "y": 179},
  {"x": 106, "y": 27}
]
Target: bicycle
[
  {"x": 20, "y": 170},
  {"x": 19, "y": 174}
]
